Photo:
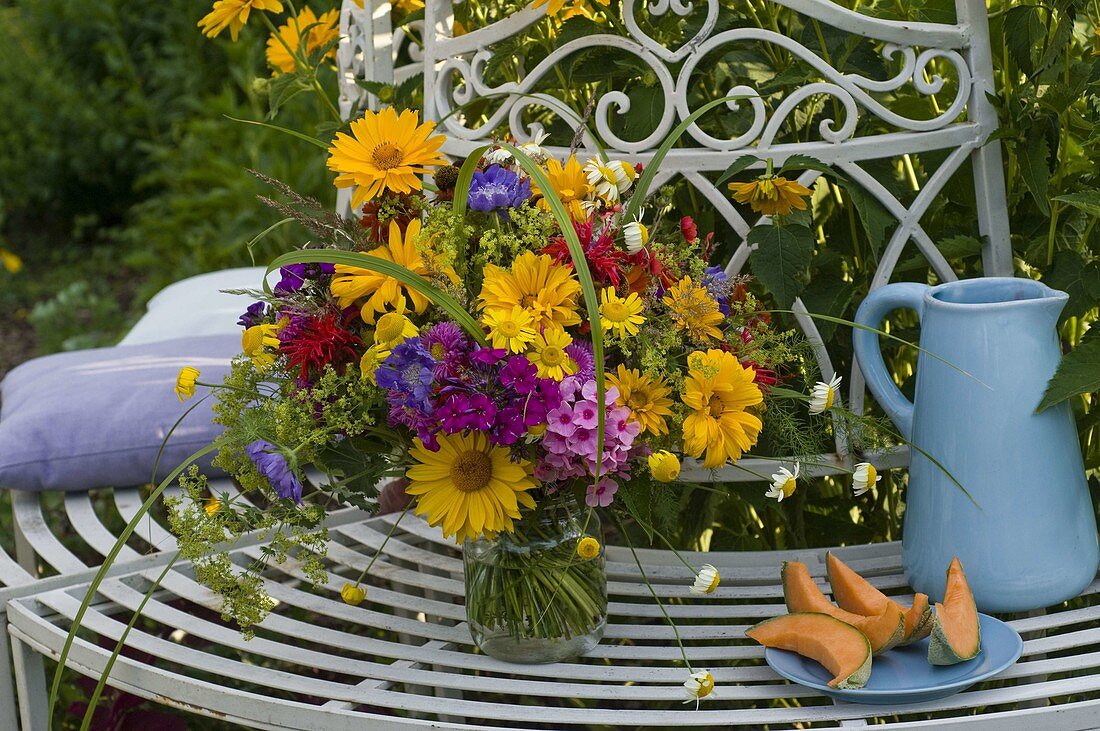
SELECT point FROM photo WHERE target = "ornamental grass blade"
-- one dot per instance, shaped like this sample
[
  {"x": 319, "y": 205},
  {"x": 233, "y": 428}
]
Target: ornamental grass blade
[
  {"x": 465, "y": 177},
  {"x": 580, "y": 265},
  {"x": 284, "y": 130},
  {"x": 372, "y": 263}
]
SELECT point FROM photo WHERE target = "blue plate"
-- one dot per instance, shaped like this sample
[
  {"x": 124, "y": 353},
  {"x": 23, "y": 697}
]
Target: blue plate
[{"x": 904, "y": 675}]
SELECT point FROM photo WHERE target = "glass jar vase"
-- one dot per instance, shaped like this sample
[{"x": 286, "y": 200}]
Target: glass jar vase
[{"x": 532, "y": 596}]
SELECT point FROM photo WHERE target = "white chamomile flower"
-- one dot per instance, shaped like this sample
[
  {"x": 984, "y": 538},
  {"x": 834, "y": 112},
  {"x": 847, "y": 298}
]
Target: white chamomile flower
[
  {"x": 824, "y": 395},
  {"x": 864, "y": 478},
  {"x": 784, "y": 483},
  {"x": 609, "y": 179},
  {"x": 533, "y": 147},
  {"x": 498, "y": 156},
  {"x": 698, "y": 686},
  {"x": 706, "y": 581},
  {"x": 636, "y": 235}
]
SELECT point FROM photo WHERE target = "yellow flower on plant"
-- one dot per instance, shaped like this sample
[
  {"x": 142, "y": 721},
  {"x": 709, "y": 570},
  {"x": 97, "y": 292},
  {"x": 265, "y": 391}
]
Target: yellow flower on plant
[
  {"x": 824, "y": 395},
  {"x": 693, "y": 310},
  {"x": 719, "y": 390},
  {"x": 664, "y": 466},
  {"x": 392, "y": 329},
  {"x": 370, "y": 361},
  {"x": 512, "y": 329},
  {"x": 289, "y": 36},
  {"x": 411, "y": 6},
  {"x": 10, "y": 261},
  {"x": 212, "y": 506},
  {"x": 350, "y": 284},
  {"x": 233, "y": 14},
  {"x": 645, "y": 396},
  {"x": 618, "y": 316},
  {"x": 706, "y": 581},
  {"x": 353, "y": 594},
  {"x": 588, "y": 548},
  {"x": 384, "y": 152},
  {"x": 258, "y": 339},
  {"x": 469, "y": 486},
  {"x": 771, "y": 195},
  {"x": 185, "y": 382},
  {"x": 864, "y": 478},
  {"x": 548, "y": 353},
  {"x": 784, "y": 483},
  {"x": 546, "y": 290},
  {"x": 568, "y": 181}
]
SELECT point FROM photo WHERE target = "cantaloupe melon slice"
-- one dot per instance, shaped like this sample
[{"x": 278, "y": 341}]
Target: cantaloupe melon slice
[
  {"x": 841, "y": 648},
  {"x": 884, "y": 630},
  {"x": 956, "y": 634},
  {"x": 855, "y": 594}
]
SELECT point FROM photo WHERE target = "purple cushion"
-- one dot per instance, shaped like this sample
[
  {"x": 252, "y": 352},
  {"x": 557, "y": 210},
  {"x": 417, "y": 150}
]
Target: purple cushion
[{"x": 97, "y": 418}]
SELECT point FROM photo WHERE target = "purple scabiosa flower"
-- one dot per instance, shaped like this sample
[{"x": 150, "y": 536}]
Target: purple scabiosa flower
[
  {"x": 718, "y": 286},
  {"x": 294, "y": 276},
  {"x": 253, "y": 316},
  {"x": 449, "y": 346},
  {"x": 581, "y": 353},
  {"x": 407, "y": 373},
  {"x": 498, "y": 189},
  {"x": 601, "y": 494},
  {"x": 272, "y": 465},
  {"x": 519, "y": 374}
]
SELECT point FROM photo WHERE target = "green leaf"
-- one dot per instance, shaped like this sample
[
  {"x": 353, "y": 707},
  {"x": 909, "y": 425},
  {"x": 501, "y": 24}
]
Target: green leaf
[
  {"x": 782, "y": 259},
  {"x": 1084, "y": 200},
  {"x": 735, "y": 167},
  {"x": 1079, "y": 372},
  {"x": 1035, "y": 168},
  {"x": 407, "y": 277},
  {"x": 873, "y": 215},
  {"x": 465, "y": 175},
  {"x": 1077, "y": 278},
  {"x": 805, "y": 162},
  {"x": 1024, "y": 33},
  {"x": 646, "y": 103},
  {"x": 281, "y": 90},
  {"x": 955, "y": 247}
]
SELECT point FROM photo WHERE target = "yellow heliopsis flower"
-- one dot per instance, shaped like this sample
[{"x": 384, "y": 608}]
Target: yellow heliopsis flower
[
  {"x": 288, "y": 38},
  {"x": 645, "y": 396},
  {"x": 864, "y": 478},
  {"x": 212, "y": 506},
  {"x": 693, "y": 310},
  {"x": 256, "y": 341},
  {"x": 620, "y": 317},
  {"x": 706, "y": 581},
  {"x": 548, "y": 353},
  {"x": 185, "y": 382},
  {"x": 569, "y": 182},
  {"x": 719, "y": 390},
  {"x": 784, "y": 483},
  {"x": 771, "y": 195},
  {"x": 469, "y": 486},
  {"x": 588, "y": 548},
  {"x": 384, "y": 152},
  {"x": 392, "y": 329},
  {"x": 383, "y": 293},
  {"x": 233, "y": 14},
  {"x": 824, "y": 395},
  {"x": 664, "y": 466},
  {"x": 353, "y": 594},
  {"x": 546, "y": 290},
  {"x": 10, "y": 261},
  {"x": 513, "y": 329}
]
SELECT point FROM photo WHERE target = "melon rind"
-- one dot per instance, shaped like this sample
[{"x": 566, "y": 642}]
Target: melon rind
[
  {"x": 855, "y": 679},
  {"x": 867, "y": 600},
  {"x": 940, "y": 651},
  {"x": 923, "y": 626},
  {"x": 957, "y": 590}
]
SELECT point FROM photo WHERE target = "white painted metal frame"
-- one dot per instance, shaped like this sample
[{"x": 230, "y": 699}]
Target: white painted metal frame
[{"x": 453, "y": 75}]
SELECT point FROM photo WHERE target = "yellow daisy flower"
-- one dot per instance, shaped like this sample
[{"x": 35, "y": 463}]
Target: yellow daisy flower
[
  {"x": 10, "y": 261},
  {"x": 512, "y": 329},
  {"x": 546, "y": 290},
  {"x": 718, "y": 390},
  {"x": 370, "y": 361},
  {"x": 645, "y": 396},
  {"x": 548, "y": 353},
  {"x": 771, "y": 195},
  {"x": 353, "y": 594},
  {"x": 233, "y": 14},
  {"x": 185, "y": 382},
  {"x": 392, "y": 329},
  {"x": 212, "y": 506},
  {"x": 588, "y": 548},
  {"x": 469, "y": 486},
  {"x": 258, "y": 339},
  {"x": 321, "y": 34},
  {"x": 664, "y": 466},
  {"x": 620, "y": 317},
  {"x": 352, "y": 283},
  {"x": 568, "y": 181},
  {"x": 693, "y": 310},
  {"x": 384, "y": 152}
]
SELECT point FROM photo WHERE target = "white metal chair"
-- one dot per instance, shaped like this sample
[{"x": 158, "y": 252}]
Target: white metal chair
[{"x": 453, "y": 76}]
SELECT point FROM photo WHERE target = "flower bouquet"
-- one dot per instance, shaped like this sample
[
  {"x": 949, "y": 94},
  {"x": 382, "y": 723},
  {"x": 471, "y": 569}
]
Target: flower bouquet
[{"x": 515, "y": 346}]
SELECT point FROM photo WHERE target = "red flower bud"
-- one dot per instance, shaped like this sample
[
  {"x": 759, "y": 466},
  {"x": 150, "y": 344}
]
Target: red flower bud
[{"x": 688, "y": 228}]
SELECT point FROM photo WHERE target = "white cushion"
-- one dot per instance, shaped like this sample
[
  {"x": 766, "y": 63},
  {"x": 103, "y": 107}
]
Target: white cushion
[{"x": 198, "y": 306}]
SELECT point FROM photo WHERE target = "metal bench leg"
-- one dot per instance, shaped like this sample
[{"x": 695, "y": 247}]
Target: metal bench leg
[
  {"x": 30, "y": 678},
  {"x": 8, "y": 717}
]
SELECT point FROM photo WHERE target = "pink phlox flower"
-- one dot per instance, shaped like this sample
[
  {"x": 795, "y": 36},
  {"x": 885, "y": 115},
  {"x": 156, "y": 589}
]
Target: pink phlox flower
[{"x": 601, "y": 494}]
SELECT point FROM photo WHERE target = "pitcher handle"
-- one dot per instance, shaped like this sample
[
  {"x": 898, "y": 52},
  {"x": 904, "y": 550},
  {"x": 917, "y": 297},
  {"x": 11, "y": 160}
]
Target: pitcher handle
[{"x": 880, "y": 303}]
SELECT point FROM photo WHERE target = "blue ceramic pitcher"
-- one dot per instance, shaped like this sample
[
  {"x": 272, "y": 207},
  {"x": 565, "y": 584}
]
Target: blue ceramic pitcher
[{"x": 1027, "y": 538}]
